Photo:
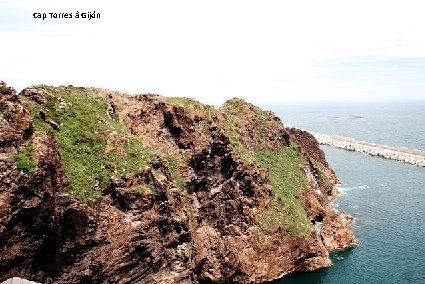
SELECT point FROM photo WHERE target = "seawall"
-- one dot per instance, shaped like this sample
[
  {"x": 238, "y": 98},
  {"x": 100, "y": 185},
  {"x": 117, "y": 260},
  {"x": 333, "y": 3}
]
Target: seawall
[{"x": 406, "y": 155}]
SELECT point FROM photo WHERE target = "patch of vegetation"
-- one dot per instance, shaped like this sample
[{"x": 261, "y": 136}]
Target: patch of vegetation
[
  {"x": 240, "y": 107},
  {"x": 195, "y": 107},
  {"x": 24, "y": 160},
  {"x": 233, "y": 128},
  {"x": 141, "y": 190},
  {"x": 138, "y": 156},
  {"x": 242, "y": 117},
  {"x": 325, "y": 181},
  {"x": 188, "y": 103},
  {"x": 284, "y": 168},
  {"x": 83, "y": 135},
  {"x": 236, "y": 105},
  {"x": 286, "y": 177},
  {"x": 286, "y": 180},
  {"x": 281, "y": 214},
  {"x": 173, "y": 164},
  {"x": 264, "y": 122},
  {"x": 81, "y": 139},
  {"x": 151, "y": 186},
  {"x": 232, "y": 131},
  {"x": 84, "y": 125}
]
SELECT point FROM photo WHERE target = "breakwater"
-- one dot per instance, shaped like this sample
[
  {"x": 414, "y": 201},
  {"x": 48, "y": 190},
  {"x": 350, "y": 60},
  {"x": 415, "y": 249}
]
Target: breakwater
[{"x": 402, "y": 154}]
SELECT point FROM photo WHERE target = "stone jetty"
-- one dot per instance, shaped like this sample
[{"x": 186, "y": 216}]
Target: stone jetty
[
  {"x": 17, "y": 280},
  {"x": 402, "y": 154}
]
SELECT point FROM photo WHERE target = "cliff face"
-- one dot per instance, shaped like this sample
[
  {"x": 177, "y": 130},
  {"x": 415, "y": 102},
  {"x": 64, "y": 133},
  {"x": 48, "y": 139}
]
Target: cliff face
[{"x": 103, "y": 187}]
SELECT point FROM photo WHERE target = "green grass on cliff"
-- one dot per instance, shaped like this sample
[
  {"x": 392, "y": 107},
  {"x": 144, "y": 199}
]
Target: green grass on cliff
[
  {"x": 23, "y": 159},
  {"x": 240, "y": 108},
  {"x": 283, "y": 165},
  {"x": 324, "y": 180},
  {"x": 173, "y": 164},
  {"x": 286, "y": 180},
  {"x": 83, "y": 136},
  {"x": 204, "y": 112},
  {"x": 84, "y": 126},
  {"x": 189, "y": 104}
]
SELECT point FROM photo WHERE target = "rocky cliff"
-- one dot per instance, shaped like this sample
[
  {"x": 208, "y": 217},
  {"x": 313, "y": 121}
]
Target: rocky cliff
[{"x": 103, "y": 187}]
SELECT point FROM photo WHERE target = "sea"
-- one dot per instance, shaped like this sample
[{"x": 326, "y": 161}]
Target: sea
[{"x": 385, "y": 197}]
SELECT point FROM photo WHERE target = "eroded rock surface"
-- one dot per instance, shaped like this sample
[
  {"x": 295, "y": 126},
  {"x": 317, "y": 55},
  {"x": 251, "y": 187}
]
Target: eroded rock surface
[{"x": 200, "y": 205}]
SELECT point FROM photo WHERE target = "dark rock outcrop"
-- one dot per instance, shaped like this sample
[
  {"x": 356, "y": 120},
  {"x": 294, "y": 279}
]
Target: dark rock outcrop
[{"x": 192, "y": 217}]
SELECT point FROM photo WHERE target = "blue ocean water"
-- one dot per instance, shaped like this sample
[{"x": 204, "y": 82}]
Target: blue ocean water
[
  {"x": 386, "y": 198},
  {"x": 399, "y": 123}
]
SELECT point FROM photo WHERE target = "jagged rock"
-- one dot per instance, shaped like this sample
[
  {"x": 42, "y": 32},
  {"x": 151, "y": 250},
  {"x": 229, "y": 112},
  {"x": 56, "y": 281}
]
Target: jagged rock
[
  {"x": 47, "y": 120},
  {"x": 148, "y": 226},
  {"x": 15, "y": 119},
  {"x": 38, "y": 96},
  {"x": 334, "y": 232}
]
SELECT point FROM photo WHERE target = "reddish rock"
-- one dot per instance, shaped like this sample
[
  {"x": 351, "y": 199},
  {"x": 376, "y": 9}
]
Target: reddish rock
[
  {"x": 335, "y": 233},
  {"x": 206, "y": 230},
  {"x": 15, "y": 119}
]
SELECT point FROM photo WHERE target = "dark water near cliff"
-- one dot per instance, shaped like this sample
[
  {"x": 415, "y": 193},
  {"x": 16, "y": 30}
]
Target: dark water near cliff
[{"x": 387, "y": 198}]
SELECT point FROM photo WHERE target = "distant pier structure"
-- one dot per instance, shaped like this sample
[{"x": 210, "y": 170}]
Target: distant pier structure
[{"x": 402, "y": 154}]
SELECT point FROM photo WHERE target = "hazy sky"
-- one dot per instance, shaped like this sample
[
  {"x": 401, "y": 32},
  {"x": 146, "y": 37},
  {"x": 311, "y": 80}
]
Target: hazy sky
[{"x": 262, "y": 51}]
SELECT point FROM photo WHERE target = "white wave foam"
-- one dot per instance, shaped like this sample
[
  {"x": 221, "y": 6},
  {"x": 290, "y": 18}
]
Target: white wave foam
[
  {"x": 343, "y": 189},
  {"x": 335, "y": 206}
]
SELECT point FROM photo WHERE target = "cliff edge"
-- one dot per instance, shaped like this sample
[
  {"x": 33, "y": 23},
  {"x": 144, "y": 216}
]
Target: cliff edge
[{"x": 99, "y": 186}]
